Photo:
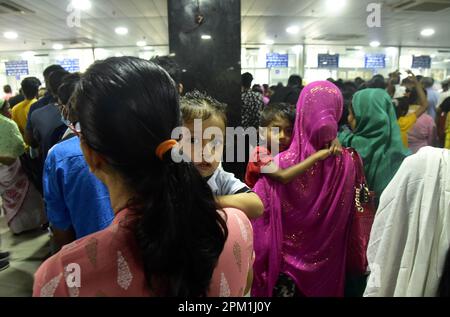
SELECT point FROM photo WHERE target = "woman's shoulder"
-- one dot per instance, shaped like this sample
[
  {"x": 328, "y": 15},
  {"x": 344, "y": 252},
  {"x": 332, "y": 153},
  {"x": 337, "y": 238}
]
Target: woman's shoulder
[{"x": 238, "y": 224}]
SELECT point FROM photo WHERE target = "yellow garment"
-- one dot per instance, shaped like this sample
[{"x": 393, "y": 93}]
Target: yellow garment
[
  {"x": 406, "y": 123},
  {"x": 20, "y": 114},
  {"x": 447, "y": 132}
]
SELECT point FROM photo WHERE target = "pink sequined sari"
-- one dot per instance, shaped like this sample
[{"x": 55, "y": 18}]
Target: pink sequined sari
[{"x": 305, "y": 228}]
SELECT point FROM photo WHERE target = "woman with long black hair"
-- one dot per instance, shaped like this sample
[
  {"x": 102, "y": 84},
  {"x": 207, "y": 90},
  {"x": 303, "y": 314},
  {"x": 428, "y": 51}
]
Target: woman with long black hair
[{"x": 167, "y": 239}]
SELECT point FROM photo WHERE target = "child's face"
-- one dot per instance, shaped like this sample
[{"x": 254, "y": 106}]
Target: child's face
[
  {"x": 283, "y": 138},
  {"x": 206, "y": 156}
]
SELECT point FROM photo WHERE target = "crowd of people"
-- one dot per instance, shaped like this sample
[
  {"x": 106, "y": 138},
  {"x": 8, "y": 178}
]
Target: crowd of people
[{"x": 94, "y": 159}]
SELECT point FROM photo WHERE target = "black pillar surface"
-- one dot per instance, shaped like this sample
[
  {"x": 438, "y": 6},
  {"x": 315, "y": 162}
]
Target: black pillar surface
[{"x": 210, "y": 65}]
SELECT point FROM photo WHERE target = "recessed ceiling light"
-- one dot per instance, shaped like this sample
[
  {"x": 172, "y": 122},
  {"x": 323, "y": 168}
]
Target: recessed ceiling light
[
  {"x": 433, "y": 55},
  {"x": 206, "y": 37},
  {"x": 293, "y": 29},
  {"x": 148, "y": 48},
  {"x": 121, "y": 30},
  {"x": 269, "y": 42},
  {"x": 447, "y": 60},
  {"x": 427, "y": 32},
  {"x": 375, "y": 44},
  {"x": 118, "y": 55},
  {"x": 81, "y": 4},
  {"x": 58, "y": 46},
  {"x": 10, "y": 35},
  {"x": 358, "y": 47},
  {"x": 141, "y": 43}
]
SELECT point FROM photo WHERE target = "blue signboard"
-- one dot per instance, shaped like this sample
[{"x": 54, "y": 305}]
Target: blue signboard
[
  {"x": 374, "y": 61},
  {"x": 275, "y": 60},
  {"x": 421, "y": 62},
  {"x": 70, "y": 65},
  {"x": 16, "y": 68},
  {"x": 328, "y": 61}
]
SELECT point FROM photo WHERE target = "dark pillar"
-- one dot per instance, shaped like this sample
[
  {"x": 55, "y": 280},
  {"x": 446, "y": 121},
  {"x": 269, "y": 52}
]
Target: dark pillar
[{"x": 212, "y": 65}]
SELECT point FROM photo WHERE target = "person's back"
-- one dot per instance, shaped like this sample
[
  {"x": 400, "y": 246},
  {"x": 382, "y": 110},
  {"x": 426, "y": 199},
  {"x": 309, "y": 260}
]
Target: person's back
[
  {"x": 376, "y": 136},
  {"x": 74, "y": 197},
  {"x": 45, "y": 121},
  {"x": 432, "y": 96},
  {"x": 167, "y": 239},
  {"x": 409, "y": 240},
  {"x": 423, "y": 133},
  {"x": 20, "y": 112},
  {"x": 30, "y": 87},
  {"x": 252, "y": 103},
  {"x": 296, "y": 235},
  {"x": 290, "y": 93}
]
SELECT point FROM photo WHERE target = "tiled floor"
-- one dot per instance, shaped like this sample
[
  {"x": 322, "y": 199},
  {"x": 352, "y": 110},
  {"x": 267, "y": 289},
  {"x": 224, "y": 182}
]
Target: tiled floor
[{"x": 27, "y": 252}]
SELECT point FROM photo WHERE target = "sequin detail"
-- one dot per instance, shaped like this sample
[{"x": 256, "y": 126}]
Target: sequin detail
[
  {"x": 91, "y": 251},
  {"x": 244, "y": 231},
  {"x": 49, "y": 289},
  {"x": 224, "y": 287},
  {"x": 238, "y": 255},
  {"x": 124, "y": 276}
]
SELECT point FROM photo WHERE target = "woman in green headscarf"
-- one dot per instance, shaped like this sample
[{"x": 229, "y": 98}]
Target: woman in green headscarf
[
  {"x": 22, "y": 203},
  {"x": 376, "y": 137}
]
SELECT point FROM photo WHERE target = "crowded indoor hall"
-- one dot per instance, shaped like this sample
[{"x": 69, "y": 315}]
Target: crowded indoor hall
[{"x": 225, "y": 148}]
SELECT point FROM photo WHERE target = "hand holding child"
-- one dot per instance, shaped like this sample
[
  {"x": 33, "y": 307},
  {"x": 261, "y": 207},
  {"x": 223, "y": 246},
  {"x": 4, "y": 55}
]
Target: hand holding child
[{"x": 336, "y": 147}]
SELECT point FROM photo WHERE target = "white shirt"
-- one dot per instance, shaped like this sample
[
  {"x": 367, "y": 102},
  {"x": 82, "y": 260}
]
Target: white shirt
[{"x": 223, "y": 184}]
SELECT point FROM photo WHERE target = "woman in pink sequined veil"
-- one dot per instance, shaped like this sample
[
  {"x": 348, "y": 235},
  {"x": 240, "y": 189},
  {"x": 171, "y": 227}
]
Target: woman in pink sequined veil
[{"x": 304, "y": 232}]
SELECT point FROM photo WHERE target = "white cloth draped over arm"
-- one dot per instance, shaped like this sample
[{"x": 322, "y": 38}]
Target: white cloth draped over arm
[{"x": 410, "y": 236}]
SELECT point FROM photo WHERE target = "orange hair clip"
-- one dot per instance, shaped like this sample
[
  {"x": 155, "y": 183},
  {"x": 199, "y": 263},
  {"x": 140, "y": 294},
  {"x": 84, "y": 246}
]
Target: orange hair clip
[{"x": 164, "y": 147}]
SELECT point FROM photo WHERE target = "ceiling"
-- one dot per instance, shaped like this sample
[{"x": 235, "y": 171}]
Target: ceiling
[{"x": 43, "y": 23}]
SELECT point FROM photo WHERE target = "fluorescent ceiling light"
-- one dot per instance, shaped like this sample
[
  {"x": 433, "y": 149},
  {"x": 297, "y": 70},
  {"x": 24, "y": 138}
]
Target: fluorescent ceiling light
[
  {"x": 375, "y": 44},
  {"x": 427, "y": 32},
  {"x": 58, "y": 46},
  {"x": 141, "y": 43},
  {"x": 206, "y": 37},
  {"x": 10, "y": 35},
  {"x": 121, "y": 30},
  {"x": 293, "y": 29}
]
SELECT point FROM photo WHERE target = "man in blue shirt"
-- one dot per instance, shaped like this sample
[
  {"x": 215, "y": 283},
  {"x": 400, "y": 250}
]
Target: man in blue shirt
[{"x": 77, "y": 203}]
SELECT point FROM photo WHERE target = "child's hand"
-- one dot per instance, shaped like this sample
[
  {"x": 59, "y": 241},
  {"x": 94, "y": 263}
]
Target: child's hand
[
  {"x": 323, "y": 154},
  {"x": 336, "y": 147}
]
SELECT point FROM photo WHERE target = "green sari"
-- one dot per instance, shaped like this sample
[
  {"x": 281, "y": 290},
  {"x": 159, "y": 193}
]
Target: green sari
[{"x": 376, "y": 138}]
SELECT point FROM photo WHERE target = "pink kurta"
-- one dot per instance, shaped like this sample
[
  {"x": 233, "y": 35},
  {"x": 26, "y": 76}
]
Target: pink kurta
[{"x": 110, "y": 263}]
